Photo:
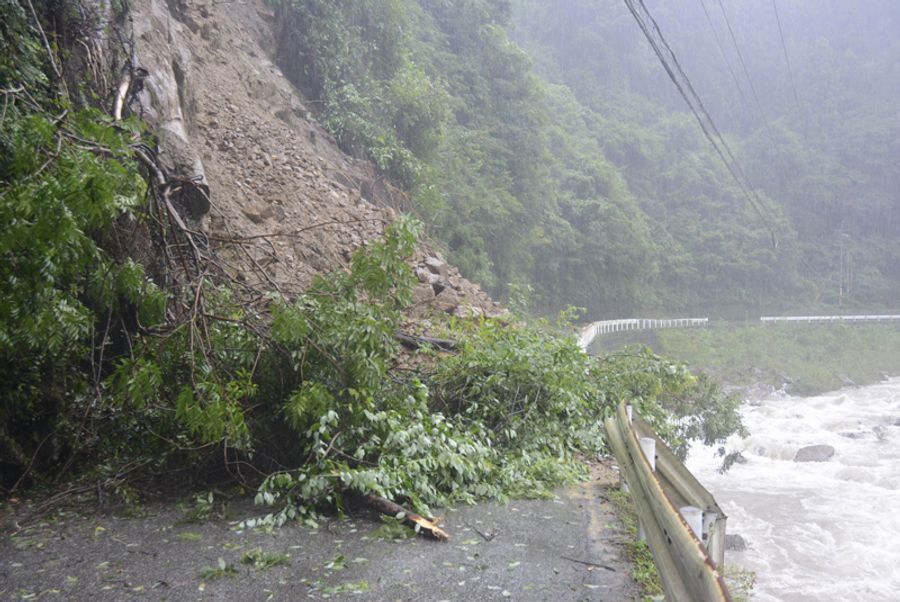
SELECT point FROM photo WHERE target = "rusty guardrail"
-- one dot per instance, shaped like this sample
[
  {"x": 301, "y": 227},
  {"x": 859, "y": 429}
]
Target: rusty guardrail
[{"x": 661, "y": 486}]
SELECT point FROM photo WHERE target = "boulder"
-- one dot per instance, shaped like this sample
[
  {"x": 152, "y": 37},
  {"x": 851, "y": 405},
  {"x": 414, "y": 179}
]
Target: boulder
[
  {"x": 447, "y": 301},
  {"x": 426, "y": 277},
  {"x": 436, "y": 266},
  {"x": 853, "y": 434},
  {"x": 814, "y": 453},
  {"x": 846, "y": 380},
  {"x": 422, "y": 294},
  {"x": 735, "y": 543},
  {"x": 467, "y": 311}
]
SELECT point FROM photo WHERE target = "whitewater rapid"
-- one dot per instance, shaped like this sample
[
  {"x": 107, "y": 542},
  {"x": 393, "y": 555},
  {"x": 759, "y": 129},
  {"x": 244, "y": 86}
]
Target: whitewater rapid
[{"x": 823, "y": 531}]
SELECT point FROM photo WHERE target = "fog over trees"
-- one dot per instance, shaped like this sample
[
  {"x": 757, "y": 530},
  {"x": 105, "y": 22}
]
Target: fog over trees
[
  {"x": 812, "y": 121},
  {"x": 546, "y": 147}
]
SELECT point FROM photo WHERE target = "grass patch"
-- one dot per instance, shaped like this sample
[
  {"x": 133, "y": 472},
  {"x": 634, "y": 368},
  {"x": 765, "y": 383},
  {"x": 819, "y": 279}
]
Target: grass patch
[
  {"x": 810, "y": 359},
  {"x": 740, "y": 582},
  {"x": 643, "y": 571}
]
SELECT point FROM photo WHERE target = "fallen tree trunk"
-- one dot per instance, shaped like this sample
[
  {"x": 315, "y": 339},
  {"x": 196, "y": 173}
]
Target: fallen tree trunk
[
  {"x": 386, "y": 506},
  {"x": 414, "y": 342}
]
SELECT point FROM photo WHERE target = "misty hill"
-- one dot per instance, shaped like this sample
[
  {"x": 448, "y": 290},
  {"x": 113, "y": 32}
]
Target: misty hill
[
  {"x": 544, "y": 145},
  {"x": 817, "y": 133}
]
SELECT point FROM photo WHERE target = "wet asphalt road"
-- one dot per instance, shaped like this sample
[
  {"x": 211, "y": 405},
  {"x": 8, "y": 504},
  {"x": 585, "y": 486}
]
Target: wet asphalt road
[{"x": 565, "y": 549}]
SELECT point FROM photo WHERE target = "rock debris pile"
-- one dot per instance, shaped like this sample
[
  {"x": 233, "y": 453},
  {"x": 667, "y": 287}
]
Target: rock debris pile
[{"x": 286, "y": 202}]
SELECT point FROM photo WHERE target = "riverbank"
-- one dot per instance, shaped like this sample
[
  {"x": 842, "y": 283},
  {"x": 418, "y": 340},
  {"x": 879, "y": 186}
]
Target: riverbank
[{"x": 804, "y": 359}]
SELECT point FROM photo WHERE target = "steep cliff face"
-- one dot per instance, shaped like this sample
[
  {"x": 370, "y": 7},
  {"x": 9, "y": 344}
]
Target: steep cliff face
[{"x": 284, "y": 202}]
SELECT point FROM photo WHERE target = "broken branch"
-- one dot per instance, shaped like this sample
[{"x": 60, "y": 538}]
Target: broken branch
[
  {"x": 414, "y": 342},
  {"x": 386, "y": 506},
  {"x": 588, "y": 563}
]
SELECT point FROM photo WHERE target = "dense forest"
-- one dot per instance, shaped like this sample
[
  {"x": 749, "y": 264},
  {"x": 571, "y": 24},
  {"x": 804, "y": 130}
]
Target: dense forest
[{"x": 547, "y": 149}]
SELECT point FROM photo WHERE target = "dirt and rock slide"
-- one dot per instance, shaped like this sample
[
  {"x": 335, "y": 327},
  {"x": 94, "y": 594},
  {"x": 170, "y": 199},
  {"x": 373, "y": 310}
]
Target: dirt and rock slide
[{"x": 285, "y": 202}]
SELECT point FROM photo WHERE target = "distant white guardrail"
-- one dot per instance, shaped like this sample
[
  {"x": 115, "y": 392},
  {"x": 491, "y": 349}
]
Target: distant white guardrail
[
  {"x": 595, "y": 329},
  {"x": 829, "y": 319},
  {"x": 679, "y": 518}
]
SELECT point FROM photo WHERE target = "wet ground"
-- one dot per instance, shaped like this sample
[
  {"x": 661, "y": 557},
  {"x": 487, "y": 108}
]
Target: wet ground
[{"x": 569, "y": 548}]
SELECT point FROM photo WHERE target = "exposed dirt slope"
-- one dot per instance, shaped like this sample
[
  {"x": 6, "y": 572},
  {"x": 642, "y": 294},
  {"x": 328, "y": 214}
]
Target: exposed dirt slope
[{"x": 278, "y": 182}]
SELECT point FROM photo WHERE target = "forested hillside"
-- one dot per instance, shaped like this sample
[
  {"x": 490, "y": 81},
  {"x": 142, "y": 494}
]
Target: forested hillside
[
  {"x": 565, "y": 163},
  {"x": 812, "y": 121},
  {"x": 301, "y": 338}
]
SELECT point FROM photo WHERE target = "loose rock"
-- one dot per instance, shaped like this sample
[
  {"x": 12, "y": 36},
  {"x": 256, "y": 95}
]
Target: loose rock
[
  {"x": 814, "y": 453},
  {"x": 735, "y": 543}
]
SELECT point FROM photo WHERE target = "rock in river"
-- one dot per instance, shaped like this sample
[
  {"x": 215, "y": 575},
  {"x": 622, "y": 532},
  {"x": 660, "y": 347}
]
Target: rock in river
[
  {"x": 735, "y": 543},
  {"x": 814, "y": 453}
]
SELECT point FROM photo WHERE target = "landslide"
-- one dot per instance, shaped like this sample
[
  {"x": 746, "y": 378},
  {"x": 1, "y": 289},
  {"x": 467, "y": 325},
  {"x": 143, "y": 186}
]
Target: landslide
[{"x": 285, "y": 202}]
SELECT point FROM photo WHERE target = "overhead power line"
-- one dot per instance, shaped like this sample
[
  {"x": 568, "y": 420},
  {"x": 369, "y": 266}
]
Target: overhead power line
[
  {"x": 676, "y": 73},
  {"x": 722, "y": 52},
  {"x": 787, "y": 58},
  {"x": 740, "y": 55}
]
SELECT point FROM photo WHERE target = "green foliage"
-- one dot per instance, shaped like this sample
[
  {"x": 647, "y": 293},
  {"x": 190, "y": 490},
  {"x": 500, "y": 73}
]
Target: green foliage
[
  {"x": 221, "y": 570},
  {"x": 263, "y": 561},
  {"x": 523, "y": 180},
  {"x": 439, "y": 99},
  {"x": 21, "y": 55},
  {"x": 393, "y": 529},
  {"x": 530, "y": 390},
  {"x": 186, "y": 390},
  {"x": 643, "y": 570},
  {"x": 351, "y": 57},
  {"x": 823, "y": 166},
  {"x": 55, "y": 276},
  {"x": 808, "y": 359},
  {"x": 575, "y": 169},
  {"x": 65, "y": 302},
  {"x": 510, "y": 413},
  {"x": 680, "y": 406}
]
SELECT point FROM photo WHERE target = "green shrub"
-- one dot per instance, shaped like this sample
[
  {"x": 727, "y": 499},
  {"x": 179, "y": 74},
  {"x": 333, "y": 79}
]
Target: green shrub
[{"x": 65, "y": 302}]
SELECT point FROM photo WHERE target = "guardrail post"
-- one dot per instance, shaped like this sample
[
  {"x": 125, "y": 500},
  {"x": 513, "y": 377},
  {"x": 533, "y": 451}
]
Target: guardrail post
[
  {"x": 629, "y": 411},
  {"x": 648, "y": 446},
  {"x": 694, "y": 518}
]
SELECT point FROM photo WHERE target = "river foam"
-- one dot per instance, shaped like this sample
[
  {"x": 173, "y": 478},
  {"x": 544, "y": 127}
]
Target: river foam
[{"x": 816, "y": 531}]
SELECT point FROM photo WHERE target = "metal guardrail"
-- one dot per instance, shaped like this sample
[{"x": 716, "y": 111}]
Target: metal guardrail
[
  {"x": 595, "y": 329},
  {"x": 686, "y": 565},
  {"x": 829, "y": 319},
  {"x": 590, "y": 332}
]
